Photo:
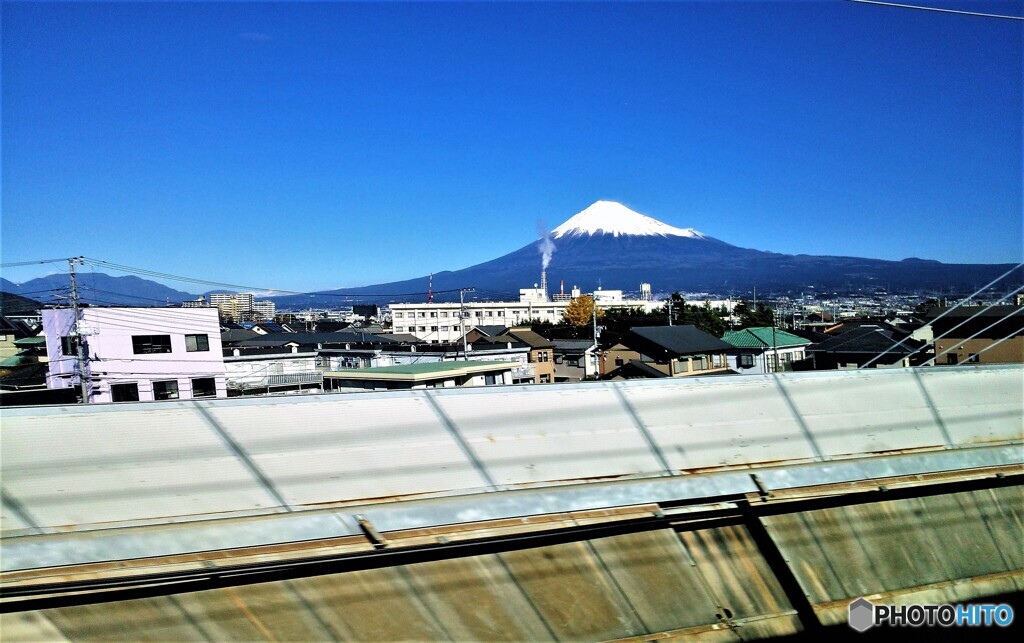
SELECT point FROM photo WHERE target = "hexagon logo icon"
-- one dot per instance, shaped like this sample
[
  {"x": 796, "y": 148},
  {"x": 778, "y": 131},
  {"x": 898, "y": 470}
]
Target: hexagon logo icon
[{"x": 861, "y": 614}]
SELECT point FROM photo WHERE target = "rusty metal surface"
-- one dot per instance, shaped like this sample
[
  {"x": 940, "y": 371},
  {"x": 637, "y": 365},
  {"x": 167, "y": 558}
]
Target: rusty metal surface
[
  {"x": 842, "y": 553},
  {"x": 618, "y": 587}
]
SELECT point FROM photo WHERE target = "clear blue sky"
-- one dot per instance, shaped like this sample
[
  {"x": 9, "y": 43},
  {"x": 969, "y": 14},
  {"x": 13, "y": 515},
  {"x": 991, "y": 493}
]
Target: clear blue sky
[{"x": 314, "y": 145}]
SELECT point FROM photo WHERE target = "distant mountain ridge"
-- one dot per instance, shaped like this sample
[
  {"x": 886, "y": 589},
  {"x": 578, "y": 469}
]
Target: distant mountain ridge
[
  {"x": 610, "y": 245},
  {"x": 98, "y": 288},
  {"x": 606, "y": 245}
]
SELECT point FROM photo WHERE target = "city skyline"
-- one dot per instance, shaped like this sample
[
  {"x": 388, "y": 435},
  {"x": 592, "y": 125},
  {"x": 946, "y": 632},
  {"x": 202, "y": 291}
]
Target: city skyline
[{"x": 309, "y": 147}]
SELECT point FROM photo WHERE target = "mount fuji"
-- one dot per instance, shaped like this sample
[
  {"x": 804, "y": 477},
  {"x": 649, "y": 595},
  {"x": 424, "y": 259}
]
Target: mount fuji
[{"x": 610, "y": 245}]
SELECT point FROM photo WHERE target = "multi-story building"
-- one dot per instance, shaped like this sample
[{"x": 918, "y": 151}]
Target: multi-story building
[
  {"x": 198, "y": 302},
  {"x": 134, "y": 354},
  {"x": 265, "y": 309},
  {"x": 234, "y": 305},
  {"x": 440, "y": 323}
]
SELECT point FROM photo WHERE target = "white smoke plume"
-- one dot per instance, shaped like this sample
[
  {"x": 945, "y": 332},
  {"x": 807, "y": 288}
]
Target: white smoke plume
[{"x": 545, "y": 246}]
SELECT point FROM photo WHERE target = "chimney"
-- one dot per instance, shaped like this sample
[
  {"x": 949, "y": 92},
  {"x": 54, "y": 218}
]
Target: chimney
[{"x": 544, "y": 283}]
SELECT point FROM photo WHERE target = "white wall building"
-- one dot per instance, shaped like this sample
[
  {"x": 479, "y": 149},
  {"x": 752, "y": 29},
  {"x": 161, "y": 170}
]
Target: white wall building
[
  {"x": 134, "y": 354},
  {"x": 440, "y": 322},
  {"x": 265, "y": 308},
  {"x": 234, "y": 304}
]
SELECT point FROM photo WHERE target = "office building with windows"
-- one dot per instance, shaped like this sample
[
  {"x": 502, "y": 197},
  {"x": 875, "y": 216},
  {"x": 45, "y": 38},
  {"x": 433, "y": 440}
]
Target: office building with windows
[{"x": 137, "y": 354}]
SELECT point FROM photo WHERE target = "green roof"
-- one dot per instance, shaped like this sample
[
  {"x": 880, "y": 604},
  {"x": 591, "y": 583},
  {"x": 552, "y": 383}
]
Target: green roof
[
  {"x": 38, "y": 340},
  {"x": 761, "y": 337}
]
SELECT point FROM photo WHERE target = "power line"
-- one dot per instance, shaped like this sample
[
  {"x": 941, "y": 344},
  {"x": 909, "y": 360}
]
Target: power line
[
  {"x": 171, "y": 277},
  {"x": 937, "y": 9},
  {"x": 33, "y": 262}
]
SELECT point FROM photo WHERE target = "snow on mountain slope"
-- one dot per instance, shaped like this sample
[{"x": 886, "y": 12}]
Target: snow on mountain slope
[{"x": 609, "y": 217}]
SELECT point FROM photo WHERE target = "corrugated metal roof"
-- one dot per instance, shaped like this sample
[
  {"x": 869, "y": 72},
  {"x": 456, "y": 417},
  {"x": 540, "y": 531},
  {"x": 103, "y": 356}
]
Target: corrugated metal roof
[{"x": 763, "y": 337}]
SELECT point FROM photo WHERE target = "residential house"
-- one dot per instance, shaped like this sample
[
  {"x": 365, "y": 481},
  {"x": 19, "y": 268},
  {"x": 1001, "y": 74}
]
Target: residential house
[
  {"x": 676, "y": 351},
  {"x": 978, "y": 335},
  {"x": 134, "y": 354},
  {"x": 541, "y": 353},
  {"x": 863, "y": 345},
  {"x": 575, "y": 360},
  {"x": 420, "y": 376},
  {"x": 12, "y": 330},
  {"x": 764, "y": 349}
]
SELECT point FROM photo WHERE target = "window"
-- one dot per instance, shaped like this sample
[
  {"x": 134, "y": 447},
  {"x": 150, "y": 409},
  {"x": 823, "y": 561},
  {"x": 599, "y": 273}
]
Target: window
[
  {"x": 433, "y": 314},
  {"x": 573, "y": 362},
  {"x": 433, "y": 329},
  {"x": 398, "y": 315},
  {"x": 124, "y": 392},
  {"x": 545, "y": 379},
  {"x": 746, "y": 361},
  {"x": 700, "y": 363},
  {"x": 69, "y": 345},
  {"x": 399, "y": 329},
  {"x": 444, "y": 329},
  {"x": 444, "y": 314},
  {"x": 543, "y": 356},
  {"x": 148, "y": 344},
  {"x": 490, "y": 380},
  {"x": 618, "y": 361},
  {"x": 167, "y": 390},
  {"x": 973, "y": 359},
  {"x": 951, "y": 358},
  {"x": 204, "y": 387},
  {"x": 194, "y": 343}
]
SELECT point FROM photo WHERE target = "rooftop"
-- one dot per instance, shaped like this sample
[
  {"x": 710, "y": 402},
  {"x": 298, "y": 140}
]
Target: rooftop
[
  {"x": 763, "y": 337},
  {"x": 417, "y": 372}
]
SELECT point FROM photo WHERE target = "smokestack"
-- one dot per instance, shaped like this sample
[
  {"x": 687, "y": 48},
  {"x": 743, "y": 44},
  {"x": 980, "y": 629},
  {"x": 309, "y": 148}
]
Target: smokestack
[
  {"x": 544, "y": 282},
  {"x": 561, "y": 286}
]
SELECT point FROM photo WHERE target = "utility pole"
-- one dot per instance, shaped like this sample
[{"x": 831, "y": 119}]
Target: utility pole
[
  {"x": 775, "y": 349},
  {"x": 462, "y": 321},
  {"x": 78, "y": 331},
  {"x": 670, "y": 311},
  {"x": 597, "y": 364}
]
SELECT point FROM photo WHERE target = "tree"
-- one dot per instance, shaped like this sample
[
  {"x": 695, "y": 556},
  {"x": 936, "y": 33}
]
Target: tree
[
  {"x": 753, "y": 318},
  {"x": 580, "y": 311}
]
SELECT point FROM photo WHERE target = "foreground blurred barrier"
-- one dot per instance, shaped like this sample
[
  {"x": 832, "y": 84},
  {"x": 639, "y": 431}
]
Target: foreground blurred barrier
[{"x": 537, "y": 512}]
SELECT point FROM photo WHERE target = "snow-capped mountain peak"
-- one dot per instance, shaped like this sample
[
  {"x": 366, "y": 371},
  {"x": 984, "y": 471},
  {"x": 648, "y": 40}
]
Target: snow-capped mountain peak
[{"x": 609, "y": 217}]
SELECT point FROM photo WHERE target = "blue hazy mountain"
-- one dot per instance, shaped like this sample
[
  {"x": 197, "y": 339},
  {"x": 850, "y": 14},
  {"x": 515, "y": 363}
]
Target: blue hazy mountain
[{"x": 97, "y": 288}]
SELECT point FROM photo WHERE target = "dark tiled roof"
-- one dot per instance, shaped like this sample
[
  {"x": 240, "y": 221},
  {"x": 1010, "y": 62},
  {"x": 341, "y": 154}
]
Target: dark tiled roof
[
  {"x": 866, "y": 339},
  {"x": 672, "y": 341},
  {"x": 234, "y": 336},
  {"x": 491, "y": 331},
  {"x": 532, "y": 339},
  {"x": 572, "y": 345},
  {"x": 635, "y": 369}
]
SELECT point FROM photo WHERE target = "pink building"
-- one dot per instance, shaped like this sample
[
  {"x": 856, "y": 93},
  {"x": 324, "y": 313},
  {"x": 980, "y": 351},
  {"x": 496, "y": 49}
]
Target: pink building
[{"x": 135, "y": 354}]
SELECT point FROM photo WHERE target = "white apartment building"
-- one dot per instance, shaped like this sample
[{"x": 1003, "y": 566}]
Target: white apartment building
[
  {"x": 136, "y": 354},
  {"x": 440, "y": 323},
  {"x": 266, "y": 309},
  {"x": 234, "y": 304}
]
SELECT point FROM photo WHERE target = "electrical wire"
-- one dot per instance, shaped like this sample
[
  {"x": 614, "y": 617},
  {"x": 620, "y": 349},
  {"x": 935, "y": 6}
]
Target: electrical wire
[
  {"x": 938, "y": 9},
  {"x": 15, "y": 264},
  {"x": 168, "y": 276}
]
